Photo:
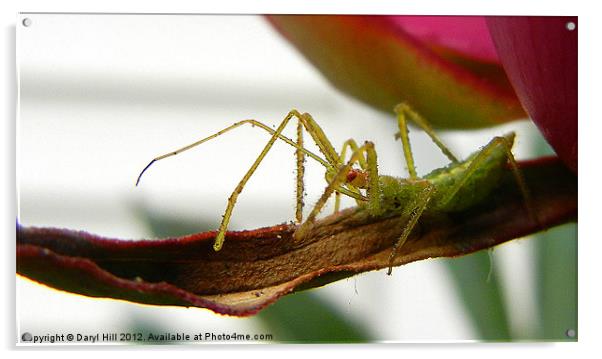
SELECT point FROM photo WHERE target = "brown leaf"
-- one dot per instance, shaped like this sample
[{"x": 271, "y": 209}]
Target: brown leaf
[{"x": 257, "y": 267}]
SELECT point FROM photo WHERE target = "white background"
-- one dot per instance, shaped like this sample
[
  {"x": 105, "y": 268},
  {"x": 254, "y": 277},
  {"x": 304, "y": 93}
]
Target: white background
[{"x": 124, "y": 121}]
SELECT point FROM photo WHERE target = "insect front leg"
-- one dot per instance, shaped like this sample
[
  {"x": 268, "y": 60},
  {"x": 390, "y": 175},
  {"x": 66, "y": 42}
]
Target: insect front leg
[
  {"x": 337, "y": 181},
  {"x": 324, "y": 145},
  {"x": 349, "y": 144},
  {"x": 301, "y": 152},
  {"x": 221, "y": 233},
  {"x": 332, "y": 157},
  {"x": 300, "y": 155}
]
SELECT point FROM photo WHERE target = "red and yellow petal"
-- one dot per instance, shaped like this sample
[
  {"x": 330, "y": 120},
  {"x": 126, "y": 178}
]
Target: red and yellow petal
[{"x": 455, "y": 82}]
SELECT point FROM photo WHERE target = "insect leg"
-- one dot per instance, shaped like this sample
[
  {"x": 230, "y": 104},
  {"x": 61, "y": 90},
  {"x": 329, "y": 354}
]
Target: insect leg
[
  {"x": 300, "y": 173},
  {"x": 334, "y": 159},
  {"x": 373, "y": 190},
  {"x": 351, "y": 144},
  {"x": 405, "y": 140},
  {"x": 276, "y": 134},
  {"x": 479, "y": 160},
  {"x": 402, "y": 110},
  {"x": 219, "y": 239},
  {"x": 320, "y": 138},
  {"x": 520, "y": 181},
  {"x": 413, "y": 211},
  {"x": 326, "y": 148},
  {"x": 340, "y": 177},
  {"x": 337, "y": 201}
]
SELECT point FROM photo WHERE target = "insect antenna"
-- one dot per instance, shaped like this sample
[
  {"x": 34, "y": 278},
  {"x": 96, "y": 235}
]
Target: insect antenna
[{"x": 144, "y": 170}]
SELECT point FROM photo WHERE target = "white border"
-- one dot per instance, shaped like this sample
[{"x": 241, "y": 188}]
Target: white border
[
  {"x": 589, "y": 159},
  {"x": 435, "y": 7}
]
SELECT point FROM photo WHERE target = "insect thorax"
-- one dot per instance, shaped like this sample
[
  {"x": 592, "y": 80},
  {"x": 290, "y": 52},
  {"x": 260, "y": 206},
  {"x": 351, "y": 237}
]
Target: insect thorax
[{"x": 396, "y": 193}]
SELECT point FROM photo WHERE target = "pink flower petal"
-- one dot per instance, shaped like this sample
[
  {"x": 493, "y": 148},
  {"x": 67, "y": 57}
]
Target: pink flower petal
[
  {"x": 540, "y": 58},
  {"x": 468, "y": 35}
]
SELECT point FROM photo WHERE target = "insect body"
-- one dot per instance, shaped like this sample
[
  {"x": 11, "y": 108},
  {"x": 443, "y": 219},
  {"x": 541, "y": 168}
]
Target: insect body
[{"x": 456, "y": 187}]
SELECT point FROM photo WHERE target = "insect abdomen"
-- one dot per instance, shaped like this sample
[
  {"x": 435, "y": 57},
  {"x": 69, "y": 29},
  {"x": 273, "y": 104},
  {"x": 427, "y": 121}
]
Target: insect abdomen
[{"x": 477, "y": 186}]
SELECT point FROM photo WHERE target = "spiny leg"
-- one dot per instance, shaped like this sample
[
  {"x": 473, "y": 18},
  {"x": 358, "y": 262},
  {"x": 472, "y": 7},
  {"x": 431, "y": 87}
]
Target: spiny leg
[
  {"x": 405, "y": 142},
  {"x": 402, "y": 110},
  {"x": 334, "y": 184},
  {"x": 520, "y": 181},
  {"x": 325, "y": 147},
  {"x": 413, "y": 211},
  {"x": 320, "y": 138},
  {"x": 331, "y": 155},
  {"x": 405, "y": 112},
  {"x": 337, "y": 201},
  {"x": 219, "y": 239},
  {"x": 351, "y": 144},
  {"x": 317, "y": 135},
  {"x": 479, "y": 160},
  {"x": 300, "y": 173},
  {"x": 332, "y": 158},
  {"x": 300, "y": 152}
]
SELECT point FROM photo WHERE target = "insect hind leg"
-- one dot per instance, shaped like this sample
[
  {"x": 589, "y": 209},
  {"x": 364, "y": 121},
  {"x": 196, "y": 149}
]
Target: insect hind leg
[
  {"x": 505, "y": 144},
  {"x": 520, "y": 181}
]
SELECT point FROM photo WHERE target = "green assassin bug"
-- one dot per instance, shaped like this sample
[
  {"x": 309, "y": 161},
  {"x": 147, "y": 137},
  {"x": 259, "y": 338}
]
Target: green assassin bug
[{"x": 460, "y": 185}]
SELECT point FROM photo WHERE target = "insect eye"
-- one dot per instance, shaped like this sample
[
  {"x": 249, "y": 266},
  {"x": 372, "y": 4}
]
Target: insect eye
[{"x": 351, "y": 175}]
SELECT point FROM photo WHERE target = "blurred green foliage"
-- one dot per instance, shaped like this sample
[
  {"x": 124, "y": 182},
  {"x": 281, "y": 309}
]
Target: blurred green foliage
[
  {"x": 556, "y": 268},
  {"x": 477, "y": 285},
  {"x": 305, "y": 317},
  {"x": 555, "y": 274}
]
